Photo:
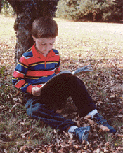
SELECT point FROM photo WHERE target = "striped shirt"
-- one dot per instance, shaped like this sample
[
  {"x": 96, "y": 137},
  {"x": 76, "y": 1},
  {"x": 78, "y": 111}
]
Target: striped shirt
[{"x": 34, "y": 70}]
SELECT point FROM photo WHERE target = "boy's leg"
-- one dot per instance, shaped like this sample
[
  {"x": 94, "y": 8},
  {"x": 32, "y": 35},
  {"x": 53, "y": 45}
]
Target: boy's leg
[
  {"x": 65, "y": 85},
  {"x": 61, "y": 87},
  {"x": 85, "y": 104},
  {"x": 40, "y": 111},
  {"x": 81, "y": 97},
  {"x": 56, "y": 92},
  {"x": 53, "y": 97}
]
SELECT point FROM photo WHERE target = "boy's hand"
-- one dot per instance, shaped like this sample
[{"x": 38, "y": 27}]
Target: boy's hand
[{"x": 36, "y": 91}]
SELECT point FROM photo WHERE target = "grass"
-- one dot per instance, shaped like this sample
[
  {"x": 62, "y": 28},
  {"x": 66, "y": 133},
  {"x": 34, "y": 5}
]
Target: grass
[
  {"x": 78, "y": 40},
  {"x": 79, "y": 43},
  {"x": 91, "y": 40}
]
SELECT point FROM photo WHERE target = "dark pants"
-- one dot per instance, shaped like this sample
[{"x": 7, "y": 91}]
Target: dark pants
[{"x": 54, "y": 95}]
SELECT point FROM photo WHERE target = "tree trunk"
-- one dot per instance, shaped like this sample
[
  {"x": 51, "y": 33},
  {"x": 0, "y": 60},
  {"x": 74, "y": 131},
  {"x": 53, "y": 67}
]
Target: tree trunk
[
  {"x": 122, "y": 13},
  {"x": 0, "y": 6},
  {"x": 27, "y": 12}
]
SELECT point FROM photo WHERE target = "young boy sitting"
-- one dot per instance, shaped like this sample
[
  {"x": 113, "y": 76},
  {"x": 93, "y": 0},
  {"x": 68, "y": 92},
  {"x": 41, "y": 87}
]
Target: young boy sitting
[{"x": 41, "y": 63}]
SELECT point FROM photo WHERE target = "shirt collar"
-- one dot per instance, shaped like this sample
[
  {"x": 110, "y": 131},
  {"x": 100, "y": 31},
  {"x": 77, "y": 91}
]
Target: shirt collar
[{"x": 37, "y": 54}]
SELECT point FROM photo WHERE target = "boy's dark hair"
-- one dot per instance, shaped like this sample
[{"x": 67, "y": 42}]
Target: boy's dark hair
[{"x": 44, "y": 27}]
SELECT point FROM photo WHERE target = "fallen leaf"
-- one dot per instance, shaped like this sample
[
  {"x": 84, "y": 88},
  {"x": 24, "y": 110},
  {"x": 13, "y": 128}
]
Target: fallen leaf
[{"x": 104, "y": 128}]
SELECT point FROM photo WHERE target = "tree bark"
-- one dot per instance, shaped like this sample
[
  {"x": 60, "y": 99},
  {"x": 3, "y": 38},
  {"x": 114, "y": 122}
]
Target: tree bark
[
  {"x": 122, "y": 13},
  {"x": 0, "y": 6},
  {"x": 27, "y": 12}
]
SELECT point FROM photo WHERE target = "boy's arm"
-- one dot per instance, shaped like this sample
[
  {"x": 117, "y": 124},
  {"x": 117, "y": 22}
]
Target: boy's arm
[
  {"x": 19, "y": 80},
  {"x": 19, "y": 75}
]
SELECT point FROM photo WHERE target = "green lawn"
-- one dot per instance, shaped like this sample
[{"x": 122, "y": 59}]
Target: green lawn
[
  {"x": 79, "y": 40},
  {"x": 91, "y": 39}
]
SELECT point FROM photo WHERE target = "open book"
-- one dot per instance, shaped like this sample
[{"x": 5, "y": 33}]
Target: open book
[{"x": 78, "y": 71}]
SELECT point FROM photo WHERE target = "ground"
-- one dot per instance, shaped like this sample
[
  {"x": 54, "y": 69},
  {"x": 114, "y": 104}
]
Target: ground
[{"x": 79, "y": 44}]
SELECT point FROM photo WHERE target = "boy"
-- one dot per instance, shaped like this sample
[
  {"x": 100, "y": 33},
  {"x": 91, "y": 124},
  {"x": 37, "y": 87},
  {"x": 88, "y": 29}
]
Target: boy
[{"x": 39, "y": 64}]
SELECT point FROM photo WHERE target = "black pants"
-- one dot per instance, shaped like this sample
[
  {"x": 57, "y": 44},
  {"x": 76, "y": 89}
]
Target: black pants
[{"x": 53, "y": 97}]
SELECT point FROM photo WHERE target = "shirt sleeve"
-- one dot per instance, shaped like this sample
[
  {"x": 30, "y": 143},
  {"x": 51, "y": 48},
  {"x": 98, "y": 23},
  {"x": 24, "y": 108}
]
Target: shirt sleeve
[{"x": 19, "y": 80}]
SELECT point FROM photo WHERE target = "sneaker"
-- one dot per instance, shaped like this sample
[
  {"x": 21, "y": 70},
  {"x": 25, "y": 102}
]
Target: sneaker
[
  {"x": 82, "y": 133},
  {"x": 100, "y": 120}
]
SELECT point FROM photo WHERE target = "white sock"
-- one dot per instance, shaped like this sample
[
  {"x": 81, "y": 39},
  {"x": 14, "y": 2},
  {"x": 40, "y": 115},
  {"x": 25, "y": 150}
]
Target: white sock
[
  {"x": 93, "y": 112},
  {"x": 72, "y": 128}
]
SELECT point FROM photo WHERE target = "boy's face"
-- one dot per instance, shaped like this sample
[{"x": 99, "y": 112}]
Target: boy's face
[{"x": 44, "y": 45}]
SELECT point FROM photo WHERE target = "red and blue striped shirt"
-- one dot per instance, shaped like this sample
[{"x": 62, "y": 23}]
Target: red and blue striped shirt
[{"x": 34, "y": 69}]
